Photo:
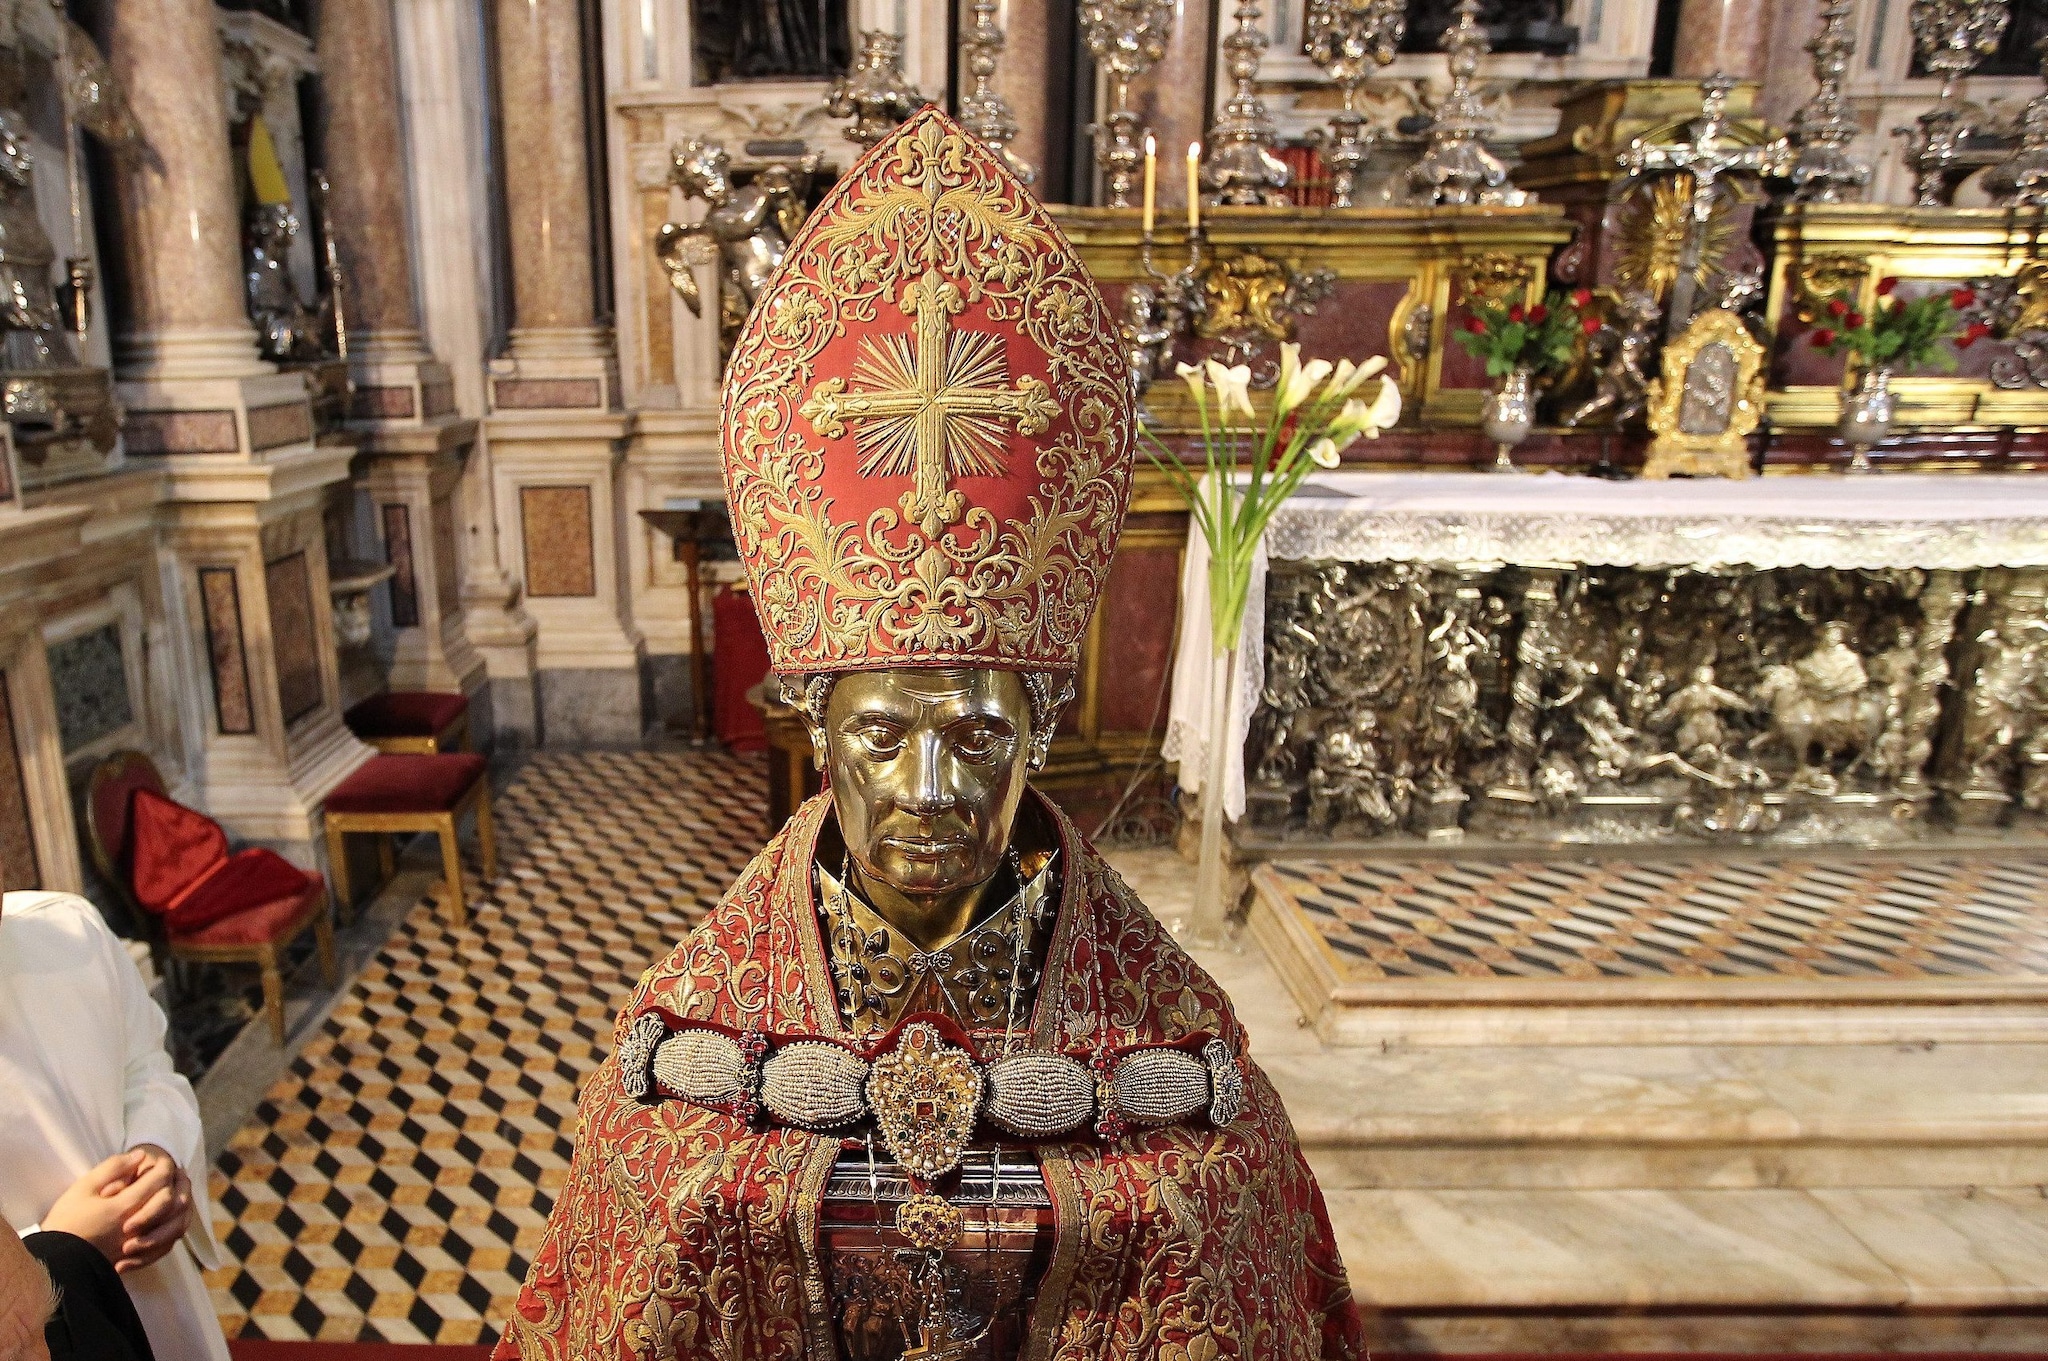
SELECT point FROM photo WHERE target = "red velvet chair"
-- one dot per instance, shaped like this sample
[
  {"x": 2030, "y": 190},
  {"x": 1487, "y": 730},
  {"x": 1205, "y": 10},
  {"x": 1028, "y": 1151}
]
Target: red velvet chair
[
  {"x": 414, "y": 793},
  {"x": 415, "y": 721},
  {"x": 197, "y": 901}
]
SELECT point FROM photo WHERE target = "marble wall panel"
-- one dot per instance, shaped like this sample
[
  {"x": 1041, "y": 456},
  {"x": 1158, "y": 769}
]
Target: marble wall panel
[
  {"x": 447, "y": 587},
  {"x": 383, "y": 403},
  {"x": 293, "y": 635},
  {"x": 545, "y": 394},
  {"x": 405, "y": 586},
  {"x": 89, "y": 677},
  {"x": 560, "y": 557},
  {"x": 220, "y": 600},
  {"x": 18, "y": 866},
  {"x": 180, "y": 432},
  {"x": 1139, "y": 603},
  {"x": 272, "y": 427}
]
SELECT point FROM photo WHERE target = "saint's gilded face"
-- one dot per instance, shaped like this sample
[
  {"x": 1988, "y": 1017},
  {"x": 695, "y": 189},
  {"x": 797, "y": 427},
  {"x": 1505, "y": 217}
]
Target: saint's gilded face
[{"x": 927, "y": 770}]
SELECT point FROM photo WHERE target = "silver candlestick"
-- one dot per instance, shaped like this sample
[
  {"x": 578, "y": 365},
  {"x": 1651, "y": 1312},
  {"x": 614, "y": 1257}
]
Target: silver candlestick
[
  {"x": 2022, "y": 180},
  {"x": 1952, "y": 36},
  {"x": 1239, "y": 164},
  {"x": 1822, "y": 130},
  {"x": 1126, "y": 38},
  {"x": 1350, "y": 40},
  {"x": 1455, "y": 167},
  {"x": 983, "y": 112}
]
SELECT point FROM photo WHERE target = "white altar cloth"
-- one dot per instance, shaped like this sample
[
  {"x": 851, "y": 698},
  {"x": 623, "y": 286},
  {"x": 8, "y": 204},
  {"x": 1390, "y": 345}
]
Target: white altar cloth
[{"x": 1887, "y": 520}]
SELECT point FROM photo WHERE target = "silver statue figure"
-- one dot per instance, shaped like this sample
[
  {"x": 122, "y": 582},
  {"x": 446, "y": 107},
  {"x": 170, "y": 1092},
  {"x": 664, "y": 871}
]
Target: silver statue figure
[
  {"x": 747, "y": 231},
  {"x": 1820, "y": 706},
  {"x": 2010, "y": 693},
  {"x": 287, "y": 330},
  {"x": 1621, "y": 350},
  {"x": 1693, "y": 713},
  {"x": 31, "y": 323}
]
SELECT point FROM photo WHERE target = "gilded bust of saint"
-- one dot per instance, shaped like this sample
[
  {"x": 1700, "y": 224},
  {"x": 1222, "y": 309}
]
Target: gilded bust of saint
[{"x": 931, "y": 1083}]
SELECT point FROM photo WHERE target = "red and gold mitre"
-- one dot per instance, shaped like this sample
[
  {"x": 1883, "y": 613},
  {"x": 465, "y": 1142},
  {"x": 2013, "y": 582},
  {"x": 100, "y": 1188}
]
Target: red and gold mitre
[{"x": 927, "y": 423}]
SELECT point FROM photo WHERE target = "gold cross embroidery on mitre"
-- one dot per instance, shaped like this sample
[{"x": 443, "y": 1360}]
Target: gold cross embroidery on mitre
[{"x": 930, "y": 405}]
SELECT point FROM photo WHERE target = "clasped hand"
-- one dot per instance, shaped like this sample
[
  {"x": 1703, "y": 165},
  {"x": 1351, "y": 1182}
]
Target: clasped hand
[{"x": 134, "y": 1207}]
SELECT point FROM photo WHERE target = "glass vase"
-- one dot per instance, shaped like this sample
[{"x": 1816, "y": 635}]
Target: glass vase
[{"x": 1208, "y": 922}]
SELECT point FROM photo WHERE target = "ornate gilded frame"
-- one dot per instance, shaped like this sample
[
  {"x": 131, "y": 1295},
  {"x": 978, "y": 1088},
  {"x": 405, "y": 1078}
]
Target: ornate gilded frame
[{"x": 1726, "y": 452}]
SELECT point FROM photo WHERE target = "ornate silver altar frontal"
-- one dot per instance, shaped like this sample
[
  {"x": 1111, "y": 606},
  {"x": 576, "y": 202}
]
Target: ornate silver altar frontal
[{"x": 1597, "y": 703}]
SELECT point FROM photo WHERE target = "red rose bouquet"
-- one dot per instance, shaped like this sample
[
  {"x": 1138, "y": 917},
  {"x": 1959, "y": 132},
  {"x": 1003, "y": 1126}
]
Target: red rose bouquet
[
  {"x": 1898, "y": 335},
  {"x": 1518, "y": 336}
]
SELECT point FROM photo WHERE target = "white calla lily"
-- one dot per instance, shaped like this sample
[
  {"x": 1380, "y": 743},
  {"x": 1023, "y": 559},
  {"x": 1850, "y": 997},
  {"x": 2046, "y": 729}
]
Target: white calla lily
[
  {"x": 1296, "y": 388},
  {"x": 1192, "y": 375},
  {"x": 1386, "y": 408},
  {"x": 1324, "y": 452},
  {"x": 1290, "y": 365},
  {"x": 1350, "y": 376},
  {"x": 1233, "y": 386}
]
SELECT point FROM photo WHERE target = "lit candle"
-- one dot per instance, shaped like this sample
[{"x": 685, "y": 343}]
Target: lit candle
[
  {"x": 1194, "y": 185},
  {"x": 1151, "y": 178}
]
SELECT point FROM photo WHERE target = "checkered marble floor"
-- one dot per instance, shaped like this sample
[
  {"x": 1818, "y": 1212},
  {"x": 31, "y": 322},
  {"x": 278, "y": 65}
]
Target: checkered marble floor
[
  {"x": 391, "y": 1185},
  {"x": 1703, "y": 918}
]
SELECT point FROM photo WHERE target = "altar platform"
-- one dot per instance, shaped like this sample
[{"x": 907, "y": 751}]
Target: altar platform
[{"x": 1714, "y": 1190}]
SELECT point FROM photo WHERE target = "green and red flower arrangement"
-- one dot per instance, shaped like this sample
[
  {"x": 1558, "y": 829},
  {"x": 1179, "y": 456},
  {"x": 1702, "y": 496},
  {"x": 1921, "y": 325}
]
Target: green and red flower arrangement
[
  {"x": 1519, "y": 336},
  {"x": 1899, "y": 335}
]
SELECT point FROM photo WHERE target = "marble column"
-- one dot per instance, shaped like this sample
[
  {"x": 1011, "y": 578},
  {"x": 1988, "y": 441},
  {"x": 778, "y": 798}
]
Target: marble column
[
  {"x": 366, "y": 204},
  {"x": 1731, "y": 37},
  {"x": 1021, "y": 79},
  {"x": 242, "y": 526},
  {"x": 180, "y": 228},
  {"x": 404, "y": 407},
  {"x": 547, "y": 189},
  {"x": 1171, "y": 98},
  {"x": 556, "y": 434},
  {"x": 1787, "y": 72}
]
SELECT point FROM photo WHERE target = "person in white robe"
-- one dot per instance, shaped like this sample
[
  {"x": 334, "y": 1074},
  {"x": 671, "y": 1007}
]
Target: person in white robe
[{"x": 89, "y": 1104}]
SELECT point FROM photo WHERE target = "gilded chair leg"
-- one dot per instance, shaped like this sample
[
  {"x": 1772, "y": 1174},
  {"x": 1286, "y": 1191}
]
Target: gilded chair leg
[
  {"x": 387, "y": 866},
  {"x": 273, "y": 995},
  {"x": 451, "y": 865},
  {"x": 323, "y": 941},
  {"x": 337, "y": 862},
  {"x": 486, "y": 837}
]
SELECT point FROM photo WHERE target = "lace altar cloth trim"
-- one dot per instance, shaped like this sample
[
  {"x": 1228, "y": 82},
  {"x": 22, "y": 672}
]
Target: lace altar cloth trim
[
  {"x": 1906, "y": 520},
  {"x": 1884, "y": 521}
]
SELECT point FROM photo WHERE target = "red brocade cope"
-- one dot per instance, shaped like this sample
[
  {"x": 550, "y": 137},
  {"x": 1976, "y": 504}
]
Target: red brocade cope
[
  {"x": 927, "y": 423},
  {"x": 683, "y": 1233}
]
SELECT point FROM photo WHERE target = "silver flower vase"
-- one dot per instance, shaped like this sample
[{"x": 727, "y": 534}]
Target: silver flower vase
[
  {"x": 1867, "y": 418},
  {"x": 1508, "y": 416}
]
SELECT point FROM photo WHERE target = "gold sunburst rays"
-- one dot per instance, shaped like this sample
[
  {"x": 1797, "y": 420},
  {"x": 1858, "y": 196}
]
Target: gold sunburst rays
[
  {"x": 1653, "y": 226},
  {"x": 974, "y": 441}
]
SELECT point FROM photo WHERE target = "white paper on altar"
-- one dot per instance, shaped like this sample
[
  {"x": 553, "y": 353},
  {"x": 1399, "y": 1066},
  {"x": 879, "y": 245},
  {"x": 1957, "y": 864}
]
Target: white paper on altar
[{"x": 1888, "y": 520}]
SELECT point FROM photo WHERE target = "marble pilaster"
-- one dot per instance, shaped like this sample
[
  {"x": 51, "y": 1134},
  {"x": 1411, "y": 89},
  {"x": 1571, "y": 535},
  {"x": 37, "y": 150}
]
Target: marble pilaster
[
  {"x": 440, "y": 56},
  {"x": 557, "y": 437},
  {"x": 1729, "y": 37},
  {"x": 243, "y": 478}
]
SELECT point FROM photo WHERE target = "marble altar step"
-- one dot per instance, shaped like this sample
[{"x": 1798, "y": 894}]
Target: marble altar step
[
  {"x": 1656, "y": 950},
  {"x": 1850, "y": 1270},
  {"x": 1739, "y": 1197}
]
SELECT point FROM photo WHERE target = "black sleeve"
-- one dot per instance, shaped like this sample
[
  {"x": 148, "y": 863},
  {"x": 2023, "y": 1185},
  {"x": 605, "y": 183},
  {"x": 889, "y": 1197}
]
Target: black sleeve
[{"x": 95, "y": 1320}]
